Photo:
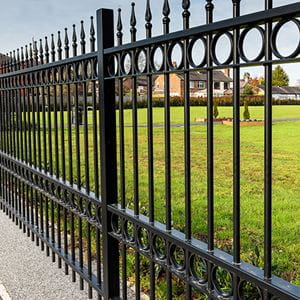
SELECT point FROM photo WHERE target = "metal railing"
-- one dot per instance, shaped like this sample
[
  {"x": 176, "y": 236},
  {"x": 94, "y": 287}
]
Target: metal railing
[{"x": 51, "y": 162}]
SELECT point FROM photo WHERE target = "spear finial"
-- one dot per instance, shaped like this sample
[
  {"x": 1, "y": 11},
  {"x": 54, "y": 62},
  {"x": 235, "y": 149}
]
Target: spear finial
[
  {"x": 59, "y": 46},
  {"x": 186, "y": 13},
  {"x": 82, "y": 38},
  {"x": 92, "y": 35},
  {"x": 166, "y": 18},
  {"x": 133, "y": 23},
  {"x": 66, "y": 43},
  {"x": 41, "y": 52},
  {"x": 52, "y": 47},
  {"x": 148, "y": 18},
  {"x": 46, "y": 50},
  {"x": 74, "y": 41},
  {"x": 119, "y": 27}
]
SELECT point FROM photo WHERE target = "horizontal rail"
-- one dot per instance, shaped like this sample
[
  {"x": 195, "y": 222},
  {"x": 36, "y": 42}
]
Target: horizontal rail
[
  {"x": 261, "y": 17},
  {"x": 220, "y": 258}
]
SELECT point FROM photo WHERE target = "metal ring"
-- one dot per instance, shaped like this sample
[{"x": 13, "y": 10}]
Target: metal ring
[
  {"x": 169, "y": 56},
  {"x": 274, "y": 38},
  {"x": 213, "y": 48},
  {"x": 190, "y": 52},
  {"x": 241, "y": 42}
]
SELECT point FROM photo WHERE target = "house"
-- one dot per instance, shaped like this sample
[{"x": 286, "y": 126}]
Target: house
[
  {"x": 222, "y": 83},
  {"x": 142, "y": 84},
  {"x": 283, "y": 92},
  {"x": 3, "y": 59}
]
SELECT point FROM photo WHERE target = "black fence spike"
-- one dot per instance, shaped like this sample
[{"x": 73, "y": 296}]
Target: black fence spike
[
  {"x": 41, "y": 52},
  {"x": 74, "y": 41},
  {"x": 59, "y": 46},
  {"x": 166, "y": 8},
  {"x": 30, "y": 54},
  {"x": 209, "y": 5},
  {"x": 22, "y": 58},
  {"x": 92, "y": 35},
  {"x": 148, "y": 18},
  {"x": 120, "y": 27},
  {"x": 82, "y": 38},
  {"x": 26, "y": 56},
  {"x": 14, "y": 60},
  {"x": 18, "y": 59},
  {"x": 52, "y": 47},
  {"x": 186, "y": 13},
  {"x": 35, "y": 53},
  {"x": 67, "y": 48},
  {"x": 46, "y": 50},
  {"x": 133, "y": 23}
]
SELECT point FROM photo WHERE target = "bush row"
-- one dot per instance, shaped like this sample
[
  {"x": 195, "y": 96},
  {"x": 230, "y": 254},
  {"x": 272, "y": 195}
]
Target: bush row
[{"x": 201, "y": 101}]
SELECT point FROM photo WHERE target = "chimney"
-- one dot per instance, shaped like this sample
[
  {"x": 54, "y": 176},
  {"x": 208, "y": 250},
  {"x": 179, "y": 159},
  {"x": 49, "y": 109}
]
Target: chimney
[{"x": 174, "y": 63}]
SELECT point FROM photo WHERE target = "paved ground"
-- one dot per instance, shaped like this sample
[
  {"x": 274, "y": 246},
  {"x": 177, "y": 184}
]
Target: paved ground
[{"x": 25, "y": 271}]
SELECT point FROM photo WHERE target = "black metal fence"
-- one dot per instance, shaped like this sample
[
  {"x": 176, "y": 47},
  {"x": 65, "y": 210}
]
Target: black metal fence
[{"x": 56, "y": 145}]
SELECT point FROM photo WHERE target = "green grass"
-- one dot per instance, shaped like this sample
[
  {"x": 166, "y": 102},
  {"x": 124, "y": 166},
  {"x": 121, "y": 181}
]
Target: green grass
[{"x": 286, "y": 181}]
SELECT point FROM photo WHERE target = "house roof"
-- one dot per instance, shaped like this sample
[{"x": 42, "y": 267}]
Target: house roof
[
  {"x": 284, "y": 90},
  {"x": 201, "y": 76},
  {"x": 142, "y": 81}
]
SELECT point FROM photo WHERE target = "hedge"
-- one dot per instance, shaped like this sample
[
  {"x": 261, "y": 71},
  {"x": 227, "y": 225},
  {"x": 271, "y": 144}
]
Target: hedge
[{"x": 201, "y": 101}]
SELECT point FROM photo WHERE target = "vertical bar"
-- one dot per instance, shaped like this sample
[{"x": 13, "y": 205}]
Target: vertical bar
[
  {"x": 210, "y": 144},
  {"x": 105, "y": 25},
  {"x": 210, "y": 135},
  {"x": 268, "y": 151},
  {"x": 236, "y": 140}
]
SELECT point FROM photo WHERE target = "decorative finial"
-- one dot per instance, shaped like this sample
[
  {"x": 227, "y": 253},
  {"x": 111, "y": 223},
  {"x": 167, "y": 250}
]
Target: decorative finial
[
  {"x": 46, "y": 50},
  {"x": 133, "y": 23},
  {"x": 82, "y": 38},
  {"x": 92, "y": 35},
  {"x": 59, "y": 46},
  {"x": 30, "y": 54},
  {"x": 148, "y": 18},
  {"x": 74, "y": 41},
  {"x": 52, "y": 47},
  {"x": 119, "y": 27},
  {"x": 166, "y": 19},
  {"x": 18, "y": 59},
  {"x": 41, "y": 52},
  {"x": 66, "y": 43},
  {"x": 22, "y": 58},
  {"x": 186, "y": 13},
  {"x": 26, "y": 56},
  {"x": 35, "y": 53},
  {"x": 209, "y": 5}
]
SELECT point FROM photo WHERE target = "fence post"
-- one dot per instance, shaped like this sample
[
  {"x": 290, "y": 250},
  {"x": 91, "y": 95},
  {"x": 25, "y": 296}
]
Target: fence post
[{"x": 105, "y": 26}]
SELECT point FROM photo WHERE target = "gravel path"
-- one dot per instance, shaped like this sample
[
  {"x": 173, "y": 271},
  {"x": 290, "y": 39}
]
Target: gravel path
[{"x": 26, "y": 272}]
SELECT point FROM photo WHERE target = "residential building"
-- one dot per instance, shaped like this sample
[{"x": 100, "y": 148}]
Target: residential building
[
  {"x": 283, "y": 92},
  {"x": 198, "y": 88}
]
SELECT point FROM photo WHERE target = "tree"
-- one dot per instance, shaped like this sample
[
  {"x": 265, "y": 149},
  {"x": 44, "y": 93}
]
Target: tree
[
  {"x": 280, "y": 77},
  {"x": 216, "y": 110},
  {"x": 248, "y": 90},
  {"x": 246, "y": 111}
]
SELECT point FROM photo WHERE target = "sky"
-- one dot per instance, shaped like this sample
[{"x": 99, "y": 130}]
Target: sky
[{"x": 21, "y": 21}]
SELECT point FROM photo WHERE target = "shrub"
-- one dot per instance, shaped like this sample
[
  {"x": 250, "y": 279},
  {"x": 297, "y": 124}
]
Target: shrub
[
  {"x": 246, "y": 111},
  {"x": 216, "y": 111}
]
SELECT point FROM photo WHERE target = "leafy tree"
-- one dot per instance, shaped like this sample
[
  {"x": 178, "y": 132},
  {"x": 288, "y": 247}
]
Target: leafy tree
[
  {"x": 280, "y": 77},
  {"x": 246, "y": 111},
  {"x": 216, "y": 110},
  {"x": 248, "y": 90}
]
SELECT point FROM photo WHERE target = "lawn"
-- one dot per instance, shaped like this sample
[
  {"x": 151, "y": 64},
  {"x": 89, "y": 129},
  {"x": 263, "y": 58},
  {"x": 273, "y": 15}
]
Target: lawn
[{"x": 286, "y": 180}]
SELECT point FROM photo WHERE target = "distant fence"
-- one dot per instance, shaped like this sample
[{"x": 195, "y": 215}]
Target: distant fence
[{"x": 65, "y": 185}]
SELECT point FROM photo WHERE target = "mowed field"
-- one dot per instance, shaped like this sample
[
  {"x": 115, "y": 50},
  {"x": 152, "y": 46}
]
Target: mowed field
[{"x": 286, "y": 179}]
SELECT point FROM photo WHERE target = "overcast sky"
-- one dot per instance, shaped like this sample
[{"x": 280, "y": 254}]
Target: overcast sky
[{"x": 21, "y": 20}]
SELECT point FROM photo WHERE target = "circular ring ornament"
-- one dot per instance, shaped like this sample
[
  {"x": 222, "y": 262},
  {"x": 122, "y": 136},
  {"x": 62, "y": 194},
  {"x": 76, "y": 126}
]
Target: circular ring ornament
[
  {"x": 274, "y": 35},
  {"x": 112, "y": 68},
  {"x": 191, "y": 46},
  {"x": 140, "y": 61},
  {"x": 177, "y": 257},
  {"x": 242, "y": 40},
  {"x": 248, "y": 291},
  {"x": 198, "y": 269},
  {"x": 213, "y": 48},
  {"x": 221, "y": 278},
  {"x": 169, "y": 56},
  {"x": 116, "y": 224},
  {"x": 154, "y": 52},
  {"x": 143, "y": 239},
  {"x": 160, "y": 247},
  {"x": 129, "y": 232},
  {"x": 126, "y": 63}
]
